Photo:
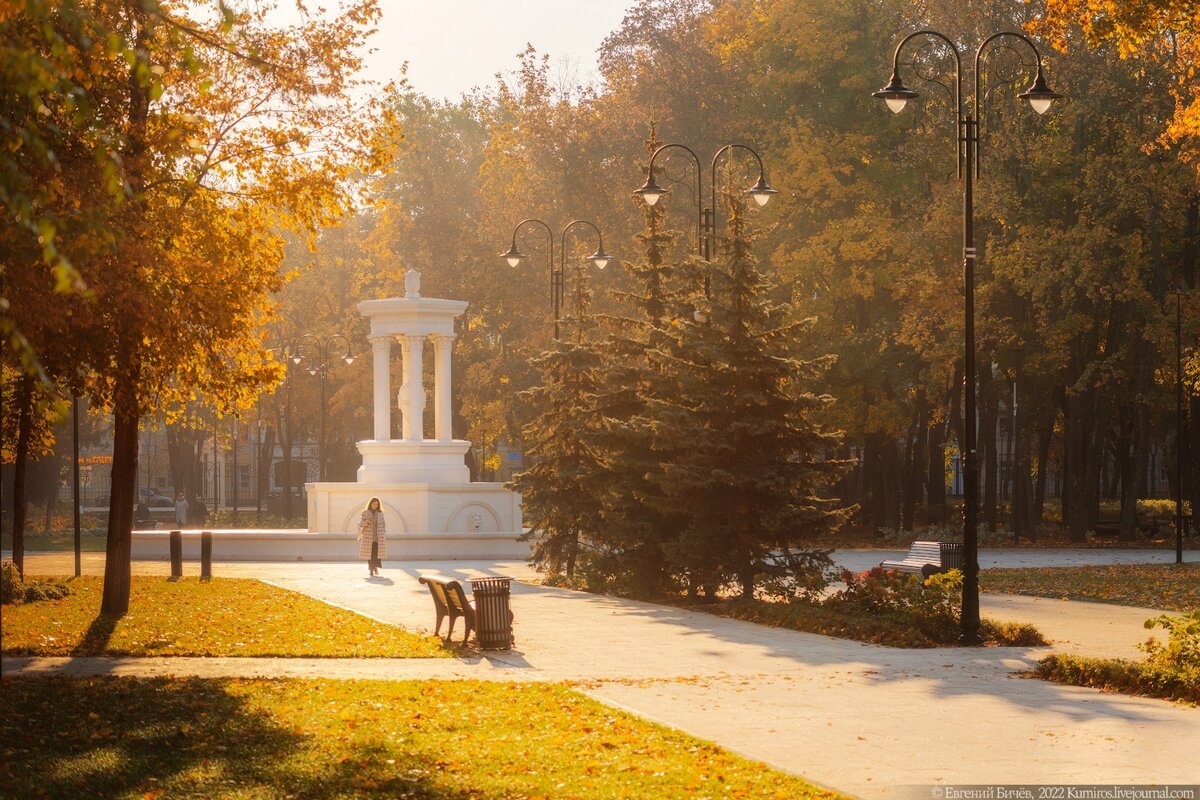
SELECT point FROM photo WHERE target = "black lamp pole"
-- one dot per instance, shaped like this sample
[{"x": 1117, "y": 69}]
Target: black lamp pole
[
  {"x": 599, "y": 258},
  {"x": 1180, "y": 439},
  {"x": 896, "y": 94},
  {"x": 75, "y": 482},
  {"x": 258, "y": 443},
  {"x": 761, "y": 191},
  {"x": 322, "y": 367},
  {"x": 236, "y": 476}
]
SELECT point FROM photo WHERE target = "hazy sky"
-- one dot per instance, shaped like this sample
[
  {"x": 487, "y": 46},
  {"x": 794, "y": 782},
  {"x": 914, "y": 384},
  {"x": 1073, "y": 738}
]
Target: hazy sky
[{"x": 454, "y": 45}]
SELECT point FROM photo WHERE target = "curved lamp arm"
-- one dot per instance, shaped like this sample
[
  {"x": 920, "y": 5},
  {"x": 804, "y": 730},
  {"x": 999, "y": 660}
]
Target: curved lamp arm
[
  {"x": 599, "y": 258},
  {"x": 897, "y": 95},
  {"x": 349, "y": 357},
  {"x": 1039, "y": 94},
  {"x": 651, "y": 191},
  {"x": 515, "y": 256},
  {"x": 761, "y": 191}
]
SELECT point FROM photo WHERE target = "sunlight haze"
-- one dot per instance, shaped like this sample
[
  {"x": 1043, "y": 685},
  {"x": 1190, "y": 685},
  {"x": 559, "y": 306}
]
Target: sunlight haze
[{"x": 452, "y": 47}]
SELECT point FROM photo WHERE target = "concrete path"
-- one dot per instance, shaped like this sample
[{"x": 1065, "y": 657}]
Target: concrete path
[{"x": 867, "y": 720}]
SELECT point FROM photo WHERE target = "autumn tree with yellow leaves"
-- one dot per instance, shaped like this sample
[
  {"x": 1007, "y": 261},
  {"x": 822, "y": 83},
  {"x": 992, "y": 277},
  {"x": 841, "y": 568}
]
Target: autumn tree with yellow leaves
[{"x": 224, "y": 134}]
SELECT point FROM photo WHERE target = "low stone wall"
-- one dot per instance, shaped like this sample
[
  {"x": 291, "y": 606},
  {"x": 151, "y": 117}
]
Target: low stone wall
[{"x": 300, "y": 545}]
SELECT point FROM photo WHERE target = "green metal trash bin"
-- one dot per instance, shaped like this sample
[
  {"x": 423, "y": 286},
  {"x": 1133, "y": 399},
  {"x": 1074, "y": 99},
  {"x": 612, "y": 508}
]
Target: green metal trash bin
[{"x": 493, "y": 618}]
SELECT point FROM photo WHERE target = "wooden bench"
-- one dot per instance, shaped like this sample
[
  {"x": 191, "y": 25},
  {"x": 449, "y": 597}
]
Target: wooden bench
[
  {"x": 449, "y": 600},
  {"x": 928, "y": 558}
]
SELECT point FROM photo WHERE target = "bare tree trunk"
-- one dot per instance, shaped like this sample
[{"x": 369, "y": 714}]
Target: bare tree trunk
[
  {"x": 124, "y": 494},
  {"x": 1045, "y": 440},
  {"x": 987, "y": 447},
  {"x": 935, "y": 484},
  {"x": 20, "y": 468}
]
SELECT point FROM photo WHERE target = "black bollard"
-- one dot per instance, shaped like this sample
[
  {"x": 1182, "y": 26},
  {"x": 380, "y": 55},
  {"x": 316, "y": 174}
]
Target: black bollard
[
  {"x": 176, "y": 539},
  {"x": 205, "y": 555}
]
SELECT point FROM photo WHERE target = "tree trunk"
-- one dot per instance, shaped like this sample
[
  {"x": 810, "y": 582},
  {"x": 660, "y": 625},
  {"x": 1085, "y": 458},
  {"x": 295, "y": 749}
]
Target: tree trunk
[
  {"x": 265, "y": 453},
  {"x": 20, "y": 468},
  {"x": 891, "y": 481},
  {"x": 1191, "y": 455},
  {"x": 935, "y": 485},
  {"x": 1045, "y": 439},
  {"x": 124, "y": 494},
  {"x": 873, "y": 483},
  {"x": 1133, "y": 478},
  {"x": 1082, "y": 469},
  {"x": 914, "y": 458},
  {"x": 987, "y": 449}
]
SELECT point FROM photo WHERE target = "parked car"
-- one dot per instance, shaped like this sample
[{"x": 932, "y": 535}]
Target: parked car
[{"x": 155, "y": 499}]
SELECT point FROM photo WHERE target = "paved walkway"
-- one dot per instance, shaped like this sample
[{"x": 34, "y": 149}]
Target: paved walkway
[{"x": 867, "y": 720}]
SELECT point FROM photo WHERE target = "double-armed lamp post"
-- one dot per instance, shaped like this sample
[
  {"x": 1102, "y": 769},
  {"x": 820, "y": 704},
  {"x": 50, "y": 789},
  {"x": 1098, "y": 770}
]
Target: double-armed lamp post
[
  {"x": 599, "y": 259},
  {"x": 706, "y": 226},
  {"x": 320, "y": 366},
  {"x": 969, "y": 113}
]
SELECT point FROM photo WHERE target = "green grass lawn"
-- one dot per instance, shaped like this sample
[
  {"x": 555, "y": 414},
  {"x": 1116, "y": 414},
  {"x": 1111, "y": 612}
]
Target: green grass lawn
[
  {"x": 1171, "y": 587},
  {"x": 199, "y": 738},
  {"x": 188, "y": 617}
]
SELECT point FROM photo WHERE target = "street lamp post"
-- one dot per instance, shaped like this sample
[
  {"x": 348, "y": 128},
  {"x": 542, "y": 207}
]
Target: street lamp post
[
  {"x": 236, "y": 476},
  {"x": 322, "y": 367},
  {"x": 1040, "y": 97},
  {"x": 1180, "y": 438},
  {"x": 761, "y": 191},
  {"x": 258, "y": 481},
  {"x": 599, "y": 258}
]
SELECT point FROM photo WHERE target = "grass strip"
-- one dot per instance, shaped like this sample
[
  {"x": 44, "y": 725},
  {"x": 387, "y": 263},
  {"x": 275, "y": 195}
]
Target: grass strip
[
  {"x": 1170, "y": 587},
  {"x": 203, "y": 738},
  {"x": 190, "y": 617},
  {"x": 893, "y": 630},
  {"x": 1121, "y": 675}
]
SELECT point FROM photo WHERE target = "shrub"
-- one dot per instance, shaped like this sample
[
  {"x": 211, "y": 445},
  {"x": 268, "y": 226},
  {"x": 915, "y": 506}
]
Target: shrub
[
  {"x": 986, "y": 537},
  {"x": 16, "y": 591},
  {"x": 1182, "y": 650},
  {"x": 12, "y": 588},
  {"x": 800, "y": 575},
  {"x": 903, "y": 601},
  {"x": 1170, "y": 671}
]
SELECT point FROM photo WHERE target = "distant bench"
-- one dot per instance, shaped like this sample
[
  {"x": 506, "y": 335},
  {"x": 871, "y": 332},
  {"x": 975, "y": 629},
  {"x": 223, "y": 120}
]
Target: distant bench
[
  {"x": 449, "y": 600},
  {"x": 928, "y": 558}
]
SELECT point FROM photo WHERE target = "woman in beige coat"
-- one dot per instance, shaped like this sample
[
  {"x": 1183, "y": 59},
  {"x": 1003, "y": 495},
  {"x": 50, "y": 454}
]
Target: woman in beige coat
[{"x": 372, "y": 536}]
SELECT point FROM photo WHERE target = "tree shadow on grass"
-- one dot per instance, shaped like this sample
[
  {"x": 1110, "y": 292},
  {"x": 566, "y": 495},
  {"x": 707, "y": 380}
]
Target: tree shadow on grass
[
  {"x": 96, "y": 638},
  {"x": 165, "y": 737}
]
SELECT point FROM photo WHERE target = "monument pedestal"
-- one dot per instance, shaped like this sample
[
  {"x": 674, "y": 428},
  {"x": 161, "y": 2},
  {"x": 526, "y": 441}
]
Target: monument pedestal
[
  {"x": 431, "y": 508},
  {"x": 423, "y": 461}
]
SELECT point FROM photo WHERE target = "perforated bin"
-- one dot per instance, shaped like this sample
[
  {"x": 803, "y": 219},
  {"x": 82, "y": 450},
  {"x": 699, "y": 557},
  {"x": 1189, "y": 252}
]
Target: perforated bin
[{"x": 493, "y": 618}]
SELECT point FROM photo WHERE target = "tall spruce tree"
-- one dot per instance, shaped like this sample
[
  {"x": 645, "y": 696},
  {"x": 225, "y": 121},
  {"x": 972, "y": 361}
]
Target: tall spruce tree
[
  {"x": 743, "y": 458},
  {"x": 630, "y": 554},
  {"x": 560, "y": 491}
]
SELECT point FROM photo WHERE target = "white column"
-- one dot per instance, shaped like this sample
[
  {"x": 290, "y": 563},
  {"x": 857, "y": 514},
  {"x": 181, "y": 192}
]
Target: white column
[
  {"x": 414, "y": 417},
  {"x": 442, "y": 347},
  {"x": 381, "y": 349}
]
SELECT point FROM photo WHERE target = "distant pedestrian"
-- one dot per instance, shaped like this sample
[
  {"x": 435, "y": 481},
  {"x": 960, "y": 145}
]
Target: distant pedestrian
[
  {"x": 181, "y": 510},
  {"x": 199, "y": 513},
  {"x": 372, "y": 536}
]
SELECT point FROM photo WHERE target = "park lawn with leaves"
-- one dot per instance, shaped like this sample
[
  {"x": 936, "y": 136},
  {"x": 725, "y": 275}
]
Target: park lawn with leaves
[
  {"x": 190, "y": 617},
  {"x": 1170, "y": 587},
  {"x": 232, "y": 738}
]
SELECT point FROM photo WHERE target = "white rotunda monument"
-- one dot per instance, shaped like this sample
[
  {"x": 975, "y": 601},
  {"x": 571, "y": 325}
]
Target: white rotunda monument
[{"x": 432, "y": 508}]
